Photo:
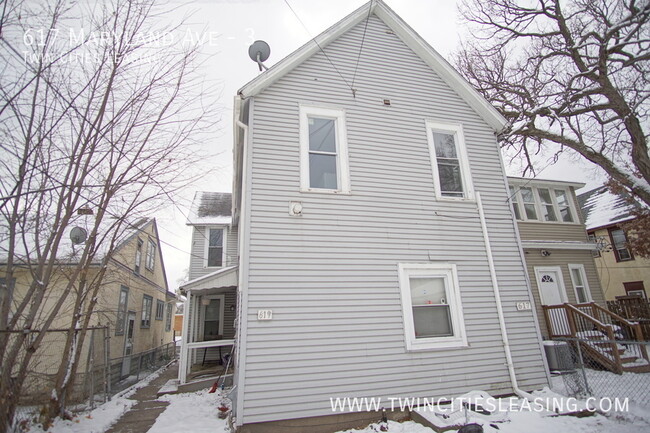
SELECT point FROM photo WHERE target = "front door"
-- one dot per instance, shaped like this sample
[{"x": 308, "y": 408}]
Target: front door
[
  {"x": 551, "y": 286},
  {"x": 128, "y": 344}
]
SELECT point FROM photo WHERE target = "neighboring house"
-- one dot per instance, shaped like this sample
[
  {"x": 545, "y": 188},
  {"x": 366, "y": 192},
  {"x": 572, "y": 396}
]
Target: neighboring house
[
  {"x": 378, "y": 256},
  {"x": 621, "y": 272},
  {"x": 558, "y": 253},
  {"x": 133, "y": 302},
  {"x": 212, "y": 290}
]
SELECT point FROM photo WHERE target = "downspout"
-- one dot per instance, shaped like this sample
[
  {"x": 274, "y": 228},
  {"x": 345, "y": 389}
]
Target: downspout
[
  {"x": 497, "y": 298},
  {"x": 182, "y": 365}
]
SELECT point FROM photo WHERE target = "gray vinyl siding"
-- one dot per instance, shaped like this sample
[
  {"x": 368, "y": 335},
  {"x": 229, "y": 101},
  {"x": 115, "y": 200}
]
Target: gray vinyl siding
[
  {"x": 544, "y": 231},
  {"x": 563, "y": 258},
  {"x": 330, "y": 276},
  {"x": 197, "y": 261}
]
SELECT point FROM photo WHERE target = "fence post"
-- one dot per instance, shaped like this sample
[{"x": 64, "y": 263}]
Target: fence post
[
  {"x": 582, "y": 367},
  {"x": 89, "y": 368}
]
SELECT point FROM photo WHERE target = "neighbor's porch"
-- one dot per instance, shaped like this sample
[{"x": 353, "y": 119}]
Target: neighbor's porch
[{"x": 208, "y": 325}]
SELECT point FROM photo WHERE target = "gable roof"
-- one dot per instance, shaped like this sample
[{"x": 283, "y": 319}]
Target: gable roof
[
  {"x": 409, "y": 36},
  {"x": 210, "y": 208},
  {"x": 601, "y": 208}
]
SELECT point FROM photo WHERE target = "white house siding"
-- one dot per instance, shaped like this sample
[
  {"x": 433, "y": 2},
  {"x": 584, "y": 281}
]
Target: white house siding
[
  {"x": 197, "y": 261},
  {"x": 330, "y": 276}
]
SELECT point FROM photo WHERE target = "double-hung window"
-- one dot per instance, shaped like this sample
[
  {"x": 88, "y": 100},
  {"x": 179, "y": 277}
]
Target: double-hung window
[
  {"x": 168, "y": 318},
  {"x": 122, "y": 305},
  {"x": 541, "y": 204},
  {"x": 323, "y": 150},
  {"x": 160, "y": 309},
  {"x": 528, "y": 199},
  {"x": 546, "y": 204},
  {"x": 147, "y": 301},
  {"x": 214, "y": 247},
  {"x": 151, "y": 255},
  {"x": 433, "y": 315},
  {"x": 449, "y": 163},
  {"x": 563, "y": 205},
  {"x": 138, "y": 256},
  {"x": 619, "y": 242},
  {"x": 580, "y": 285}
]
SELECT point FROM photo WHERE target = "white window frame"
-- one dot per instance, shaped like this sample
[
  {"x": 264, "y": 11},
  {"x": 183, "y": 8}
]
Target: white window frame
[
  {"x": 456, "y": 129},
  {"x": 517, "y": 200},
  {"x": 342, "y": 165},
  {"x": 206, "y": 246},
  {"x": 150, "y": 258},
  {"x": 583, "y": 274},
  {"x": 449, "y": 273}
]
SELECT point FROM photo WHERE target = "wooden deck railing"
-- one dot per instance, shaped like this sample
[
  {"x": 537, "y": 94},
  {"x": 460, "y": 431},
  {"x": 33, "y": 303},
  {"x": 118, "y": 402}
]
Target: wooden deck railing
[{"x": 589, "y": 323}]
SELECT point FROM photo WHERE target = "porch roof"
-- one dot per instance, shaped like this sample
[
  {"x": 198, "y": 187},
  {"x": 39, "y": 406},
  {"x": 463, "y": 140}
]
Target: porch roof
[{"x": 224, "y": 277}]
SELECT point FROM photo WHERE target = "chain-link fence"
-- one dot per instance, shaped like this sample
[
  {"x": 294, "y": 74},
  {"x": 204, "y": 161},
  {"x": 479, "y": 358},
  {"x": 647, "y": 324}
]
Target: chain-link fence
[
  {"x": 584, "y": 374},
  {"x": 97, "y": 379}
]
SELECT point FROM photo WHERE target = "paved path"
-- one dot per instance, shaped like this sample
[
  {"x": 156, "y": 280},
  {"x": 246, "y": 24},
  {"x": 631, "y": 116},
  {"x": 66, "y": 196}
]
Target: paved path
[{"x": 143, "y": 414}]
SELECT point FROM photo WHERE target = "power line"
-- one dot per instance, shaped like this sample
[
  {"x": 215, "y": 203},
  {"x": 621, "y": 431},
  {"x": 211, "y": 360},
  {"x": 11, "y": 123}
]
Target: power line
[
  {"x": 363, "y": 38},
  {"x": 319, "y": 47}
]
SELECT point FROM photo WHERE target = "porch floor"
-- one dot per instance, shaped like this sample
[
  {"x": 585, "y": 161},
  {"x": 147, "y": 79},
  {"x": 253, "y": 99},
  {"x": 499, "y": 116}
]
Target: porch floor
[{"x": 197, "y": 371}]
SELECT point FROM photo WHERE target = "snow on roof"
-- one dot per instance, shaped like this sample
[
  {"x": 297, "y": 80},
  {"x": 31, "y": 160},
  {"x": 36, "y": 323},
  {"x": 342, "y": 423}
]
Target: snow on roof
[
  {"x": 601, "y": 208},
  {"x": 210, "y": 208}
]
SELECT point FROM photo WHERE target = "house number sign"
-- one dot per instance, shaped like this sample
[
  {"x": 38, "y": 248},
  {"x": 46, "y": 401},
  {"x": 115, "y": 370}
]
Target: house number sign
[
  {"x": 264, "y": 314},
  {"x": 523, "y": 306}
]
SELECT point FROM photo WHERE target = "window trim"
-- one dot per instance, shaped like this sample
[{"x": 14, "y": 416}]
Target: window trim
[
  {"x": 342, "y": 163},
  {"x": 147, "y": 311},
  {"x": 138, "y": 256},
  {"x": 124, "y": 289},
  {"x": 461, "y": 150},
  {"x": 585, "y": 283},
  {"x": 160, "y": 304},
  {"x": 517, "y": 200},
  {"x": 450, "y": 273},
  {"x": 169, "y": 311},
  {"x": 206, "y": 246},
  {"x": 614, "y": 249},
  {"x": 150, "y": 258}
]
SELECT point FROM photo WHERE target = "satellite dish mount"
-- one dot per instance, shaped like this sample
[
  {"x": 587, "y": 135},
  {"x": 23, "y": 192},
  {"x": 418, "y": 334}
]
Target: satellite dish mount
[{"x": 259, "y": 52}]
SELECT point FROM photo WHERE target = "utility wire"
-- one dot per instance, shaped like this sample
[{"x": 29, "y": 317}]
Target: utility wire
[
  {"x": 319, "y": 46},
  {"x": 363, "y": 38}
]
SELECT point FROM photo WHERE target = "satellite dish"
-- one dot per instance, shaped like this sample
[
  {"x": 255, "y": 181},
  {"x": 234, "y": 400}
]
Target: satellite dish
[
  {"x": 259, "y": 52},
  {"x": 78, "y": 235}
]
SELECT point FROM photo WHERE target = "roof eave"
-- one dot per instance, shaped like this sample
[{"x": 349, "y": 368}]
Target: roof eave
[{"x": 412, "y": 39}]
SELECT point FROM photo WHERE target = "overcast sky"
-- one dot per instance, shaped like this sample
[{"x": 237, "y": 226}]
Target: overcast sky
[{"x": 233, "y": 25}]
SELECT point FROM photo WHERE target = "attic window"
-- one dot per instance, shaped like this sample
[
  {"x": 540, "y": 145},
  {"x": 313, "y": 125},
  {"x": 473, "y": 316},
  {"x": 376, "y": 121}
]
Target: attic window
[{"x": 323, "y": 150}]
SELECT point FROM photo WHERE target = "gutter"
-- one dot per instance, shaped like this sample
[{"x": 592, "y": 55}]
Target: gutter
[{"x": 497, "y": 297}]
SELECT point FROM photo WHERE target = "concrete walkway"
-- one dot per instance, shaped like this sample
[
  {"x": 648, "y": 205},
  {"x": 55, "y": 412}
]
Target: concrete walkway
[{"x": 143, "y": 414}]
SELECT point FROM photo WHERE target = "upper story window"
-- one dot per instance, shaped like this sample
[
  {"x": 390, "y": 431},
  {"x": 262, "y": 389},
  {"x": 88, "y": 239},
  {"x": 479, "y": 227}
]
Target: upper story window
[
  {"x": 138, "y": 256},
  {"x": 433, "y": 315},
  {"x": 151, "y": 255},
  {"x": 449, "y": 163},
  {"x": 160, "y": 309},
  {"x": 619, "y": 244},
  {"x": 323, "y": 150},
  {"x": 214, "y": 247},
  {"x": 541, "y": 204}
]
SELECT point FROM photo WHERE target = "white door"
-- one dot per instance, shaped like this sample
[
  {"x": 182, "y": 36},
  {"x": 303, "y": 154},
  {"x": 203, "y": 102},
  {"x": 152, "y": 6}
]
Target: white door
[
  {"x": 128, "y": 344},
  {"x": 551, "y": 286},
  {"x": 552, "y": 292}
]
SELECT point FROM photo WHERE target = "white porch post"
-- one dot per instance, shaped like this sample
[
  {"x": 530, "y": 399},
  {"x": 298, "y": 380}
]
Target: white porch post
[{"x": 183, "y": 362}]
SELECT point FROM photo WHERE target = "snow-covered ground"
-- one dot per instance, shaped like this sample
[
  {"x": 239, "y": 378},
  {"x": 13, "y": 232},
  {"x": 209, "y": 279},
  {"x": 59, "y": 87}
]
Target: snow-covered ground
[
  {"x": 198, "y": 413},
  {"x": 101, "y": 418}
]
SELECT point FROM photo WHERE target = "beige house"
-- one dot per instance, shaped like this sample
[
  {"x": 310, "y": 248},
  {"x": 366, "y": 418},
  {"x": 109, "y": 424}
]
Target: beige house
[
  {"x": 621, "y": 272},
  {"x": 559, "y": 256},
  {"x": 133, "y": 303}
]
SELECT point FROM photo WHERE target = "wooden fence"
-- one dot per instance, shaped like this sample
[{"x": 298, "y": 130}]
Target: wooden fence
[{"x": 633, "y": 308}]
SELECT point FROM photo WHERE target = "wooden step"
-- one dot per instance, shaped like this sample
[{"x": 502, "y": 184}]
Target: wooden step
[{"x": 637, "y": 369}]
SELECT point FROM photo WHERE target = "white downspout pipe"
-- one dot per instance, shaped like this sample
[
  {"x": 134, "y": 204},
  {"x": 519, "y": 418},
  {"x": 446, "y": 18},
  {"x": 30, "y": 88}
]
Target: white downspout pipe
[
  {"x": 497, "y": 298},
  {"x": 182, "y": 364}
]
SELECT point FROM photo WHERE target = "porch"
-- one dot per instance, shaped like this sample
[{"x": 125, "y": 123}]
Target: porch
[
  {"x": 600, "y": 333},
  {"x": 208, "y": 325}
]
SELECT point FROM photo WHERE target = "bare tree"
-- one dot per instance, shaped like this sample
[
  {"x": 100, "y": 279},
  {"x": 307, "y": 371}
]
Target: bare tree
[
  {"x": 573, "y": 74},
  {"x": 98, "y": 112}
]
